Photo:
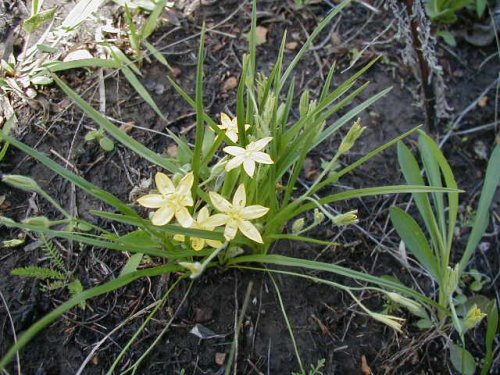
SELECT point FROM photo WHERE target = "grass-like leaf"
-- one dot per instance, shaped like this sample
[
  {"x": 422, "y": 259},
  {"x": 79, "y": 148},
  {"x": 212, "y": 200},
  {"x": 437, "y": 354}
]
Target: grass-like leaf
[{"x": 115, "y": 132}]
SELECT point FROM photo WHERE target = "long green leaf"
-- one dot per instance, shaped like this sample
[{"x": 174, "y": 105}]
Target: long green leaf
[
  {"x": 281, "y": 260},
  {"x": 169, "y": 228},
  {"x": 307, "y": 45},
  {"x": 414, "y": 239},
  {"x": 57, "y": 66},
  {"x": 379, "y": 190},
  {"x": 153, "y": 18},
  {"x": 115, "y": 132},
  {"x": 200, "y": 122},
  {"x": 411, "y": 172},
  {"x": 430, "y": 146},
  {"x": 361, "y": 161},
  {"x": 350, "y": 115},
  {"x": 491, "y": 332}
]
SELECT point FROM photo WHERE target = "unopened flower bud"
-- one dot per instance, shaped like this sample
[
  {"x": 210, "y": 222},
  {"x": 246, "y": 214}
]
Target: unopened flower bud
[
  {"x": 392, "y": 321},
  {"x": 38, "y": 221},
  {"x": 298, "y": 225},
  {"x": 473, "y": 317},
  {"x": 218, "y": 169},
  {"x": 451, "y": 279},
  {"x": 12, "y": 243},
  {"x": 21, "y": 182},
  {"x": 352, "y": 136},
  {"x": 319, "y": 216},
  {"x": 348, "y": 218},
  {"x": 414, "y": 307}
]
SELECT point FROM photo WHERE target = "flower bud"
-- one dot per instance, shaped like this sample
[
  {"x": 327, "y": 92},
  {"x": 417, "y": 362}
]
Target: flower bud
[
  {"x": 473, "y": 317},
  {"x": 392, "y": 321},
  {"x": 352, "y": 135},
  {"x": 348, "y": 218},
  {"x": 413, "y": 307},
  {"x": 451, "y": 279},
  {"x": 37, "y": 221},
  {"x": 319, "y": 216},
  {"x": 12, "y": 243},
  {"x": 298, "y": 225},
  {"x": 196, "y": 268},
  {"x": 304, "y": 103},
  {"x": 21, "y": 182}
]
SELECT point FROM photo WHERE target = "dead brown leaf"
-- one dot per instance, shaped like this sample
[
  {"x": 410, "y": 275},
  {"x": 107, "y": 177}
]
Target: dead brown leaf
[
  {"x": 127, "y": 128},
  {"x": 365, "y": 369}
]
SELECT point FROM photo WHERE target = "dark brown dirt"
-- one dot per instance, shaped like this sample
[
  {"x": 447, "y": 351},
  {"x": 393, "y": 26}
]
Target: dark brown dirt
[{"x": 327, "y": 325}]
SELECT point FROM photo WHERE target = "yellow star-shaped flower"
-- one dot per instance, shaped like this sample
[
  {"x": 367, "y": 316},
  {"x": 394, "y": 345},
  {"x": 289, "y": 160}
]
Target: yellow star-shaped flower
[
  {"x": 205, "y": 222},
  {"x": 172, "y": 201},
  {"x": 248, "y": 156},
  {"x": 230, "y": 126},
  {"x": 236, "y": 216}
]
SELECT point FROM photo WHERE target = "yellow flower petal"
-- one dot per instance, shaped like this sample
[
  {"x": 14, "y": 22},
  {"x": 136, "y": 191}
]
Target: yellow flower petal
[
  {"x": 179, "y": 237},
  {"x": 240, "y": 197},
  {"x": 234, "y": 162},
  {"x": 164, "y": 184},
  {"x": 249, "y": 230},
  {"x": 203, "y": 215},
  {"x": 163, "y": 215},
  {"x": 232, "y": 135},
  {"x": 225, "y": 121},
  {"x": 234, "y": 150},
  {"x": 152, "y": 201},
  {"x": 214, "y": 221},
  {"x": 259, "y": 145},
  {"x": 219, "y": 202},
  {"x": 262, "y": 157},
  {"x": 249, "y": 167},
  {"x": 185, "y": 185},
  {"x": 197, "y": 243},
  {"x": 183, "y": 217},
  {"x": 253, "y": 212},
  {"x": 230, "y": 230},
  {"x": 214, "y": 244}
]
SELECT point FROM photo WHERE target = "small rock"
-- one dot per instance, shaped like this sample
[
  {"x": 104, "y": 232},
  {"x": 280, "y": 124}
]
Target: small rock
[
  {"x": 176, "y": 72},
  {"x": 483, "y": 101},
  {"x": 203, "y": 314},
  {"x": 292, "y": 46},
  {"x": 159, "y": 89},
  {"x": 230, "y": 84},
  {"x": 220, "y": 358}
]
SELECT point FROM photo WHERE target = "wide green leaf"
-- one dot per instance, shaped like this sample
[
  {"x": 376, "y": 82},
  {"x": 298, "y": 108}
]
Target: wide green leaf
[
  {"x": 462, "y": 360},
  {"x": 414, "y": 239}
]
